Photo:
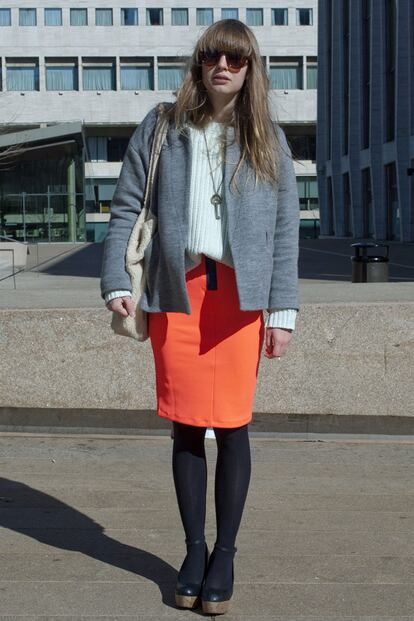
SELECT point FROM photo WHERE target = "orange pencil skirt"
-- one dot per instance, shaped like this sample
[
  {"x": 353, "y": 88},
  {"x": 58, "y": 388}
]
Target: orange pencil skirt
[{"x": 206, "y": 363}]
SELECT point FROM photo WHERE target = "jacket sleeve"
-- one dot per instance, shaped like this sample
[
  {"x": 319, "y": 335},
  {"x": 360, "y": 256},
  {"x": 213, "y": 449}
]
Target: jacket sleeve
[
  {"x": 284, "y": 282},
  {"x": 126, "y": 205}
]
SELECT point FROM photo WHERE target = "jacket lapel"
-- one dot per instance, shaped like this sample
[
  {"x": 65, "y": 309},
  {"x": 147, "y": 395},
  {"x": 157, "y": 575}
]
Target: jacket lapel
[
  {"x": 180, "y": 153},
  {"x": 235, "y": 198}
]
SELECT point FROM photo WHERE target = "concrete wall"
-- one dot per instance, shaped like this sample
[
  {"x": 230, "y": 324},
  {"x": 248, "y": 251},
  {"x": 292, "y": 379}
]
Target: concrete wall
[{"x": 344, "y": 359}]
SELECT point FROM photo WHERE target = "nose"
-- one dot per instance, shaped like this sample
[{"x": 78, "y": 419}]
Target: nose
[{"x": 222, "y": 62}]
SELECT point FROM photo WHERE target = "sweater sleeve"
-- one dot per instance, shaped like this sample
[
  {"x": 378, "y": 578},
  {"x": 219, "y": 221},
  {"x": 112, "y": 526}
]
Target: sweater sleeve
[
  {"x": 281, "y": 318},
  {"x": 120, "y": 293}
]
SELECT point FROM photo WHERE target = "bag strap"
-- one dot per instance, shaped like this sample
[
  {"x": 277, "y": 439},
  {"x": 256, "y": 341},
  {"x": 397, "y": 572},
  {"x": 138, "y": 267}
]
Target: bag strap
[{"x": 160, "y": 132}]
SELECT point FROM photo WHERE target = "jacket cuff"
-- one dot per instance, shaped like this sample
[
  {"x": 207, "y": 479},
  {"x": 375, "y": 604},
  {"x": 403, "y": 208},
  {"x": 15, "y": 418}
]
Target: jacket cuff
[
  {"x": 119, "y": 293},
  {"x": 281, "y": 318}
]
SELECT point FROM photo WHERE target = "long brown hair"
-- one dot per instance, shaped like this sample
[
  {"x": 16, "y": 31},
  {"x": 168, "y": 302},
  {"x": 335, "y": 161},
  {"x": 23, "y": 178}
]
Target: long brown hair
[{"x": 253, "y": 127}]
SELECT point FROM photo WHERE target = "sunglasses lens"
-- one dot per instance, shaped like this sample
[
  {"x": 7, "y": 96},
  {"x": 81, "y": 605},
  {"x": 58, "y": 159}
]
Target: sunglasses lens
[
  {"x": 234, "y": 61},
  {"x": 210, "y": 58}
]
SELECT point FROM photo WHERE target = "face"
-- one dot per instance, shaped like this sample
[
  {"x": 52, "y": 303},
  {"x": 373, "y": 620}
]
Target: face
[{"x": 223, "y": 75}]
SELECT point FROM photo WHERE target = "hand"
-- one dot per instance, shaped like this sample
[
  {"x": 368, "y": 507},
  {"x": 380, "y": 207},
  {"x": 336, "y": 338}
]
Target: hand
[
  {"x": 123, "y": 306},
  {"x": 277, "y": 341}
]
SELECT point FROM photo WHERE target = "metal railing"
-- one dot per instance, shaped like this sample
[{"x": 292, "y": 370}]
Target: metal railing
[{"x": 13, "y": 263}]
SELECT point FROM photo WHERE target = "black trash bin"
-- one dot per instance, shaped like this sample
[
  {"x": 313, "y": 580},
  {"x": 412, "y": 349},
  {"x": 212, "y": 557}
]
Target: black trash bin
[{"x": 369, "y": 267}]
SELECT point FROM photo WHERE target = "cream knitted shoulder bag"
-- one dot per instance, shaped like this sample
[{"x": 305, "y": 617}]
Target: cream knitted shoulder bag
[{"x": 142, "y": 232}]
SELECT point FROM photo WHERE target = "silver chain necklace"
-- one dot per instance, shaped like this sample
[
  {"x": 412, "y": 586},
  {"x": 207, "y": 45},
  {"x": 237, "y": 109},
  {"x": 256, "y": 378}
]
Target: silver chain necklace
[{"x": 216, "y": 199}]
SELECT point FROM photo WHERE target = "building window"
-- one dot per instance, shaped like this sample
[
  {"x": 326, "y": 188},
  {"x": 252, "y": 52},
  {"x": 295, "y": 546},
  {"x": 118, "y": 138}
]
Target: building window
[
  {"x": 345, "y": 75},
  {"x": 303, "y": 146},
  {"x": 22, "y": 75},
  {"x": 254, "y": 17},
  {"x": 179, "y": 17},
  {"x": 129, "y": 17},
  {"x": 390, "y": 28},
  {"x": 311, "y": 73},
  {"x": 53, "y": 17},
  {"x": 365, "y": 70},
  {"x": 308, "y": 192},
  {"x": 61, "y": 74},
  {"x": 170, "y": 73},
  {"x": 279, "y": 17},
  {"x": 27, "y": 17},
  {"x": 5, "y": 17},
  {"x": 98, "y": 148},
  {"x": 155, "y": 17},
  {"x": 204, "y": 17},
  {"x": 78, "y": 17},
  {"x": 285, "y": 73},
  {"x": 103, "y": 17},
  {"x": 367, "y": 215},
  {"x": 393, "y": 210},
  {"x": 347, "y": 205},
  {"x": 329, "y": 207},
  {"x": 98, "y": 75},
  {"x": 304, "y": 17},
  {"x": 229, "y": 13},
  {"x": 137, "y": 74}
]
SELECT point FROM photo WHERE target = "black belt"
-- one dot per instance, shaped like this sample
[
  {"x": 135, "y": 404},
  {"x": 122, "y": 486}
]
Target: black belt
[{"x": 211, "y": 273}]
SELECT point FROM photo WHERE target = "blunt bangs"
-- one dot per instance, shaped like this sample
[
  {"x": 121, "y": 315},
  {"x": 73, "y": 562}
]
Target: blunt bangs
[{"x": 227, "y": 35}]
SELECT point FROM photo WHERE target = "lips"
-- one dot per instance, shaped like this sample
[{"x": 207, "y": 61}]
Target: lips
[{"x": 222, "y": 78}]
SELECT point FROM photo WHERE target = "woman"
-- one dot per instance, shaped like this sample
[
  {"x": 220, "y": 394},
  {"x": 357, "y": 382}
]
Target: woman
[{"x": 226, "y": 248}]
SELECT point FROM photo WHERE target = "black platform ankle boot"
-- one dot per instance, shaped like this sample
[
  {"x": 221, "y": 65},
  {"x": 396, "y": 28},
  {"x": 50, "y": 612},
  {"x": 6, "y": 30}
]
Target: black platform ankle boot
[
  {"x": 216, "y": 601},
  {"x": 187, "y": 593}
]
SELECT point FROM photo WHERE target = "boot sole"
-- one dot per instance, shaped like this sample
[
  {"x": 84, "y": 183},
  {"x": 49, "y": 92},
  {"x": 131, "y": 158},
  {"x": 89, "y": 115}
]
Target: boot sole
[
  {"x": 215, "y": 608},
  {"x": 187, "y": 601}
]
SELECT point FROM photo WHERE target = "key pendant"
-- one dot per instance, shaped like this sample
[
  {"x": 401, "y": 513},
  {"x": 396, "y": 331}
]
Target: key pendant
[{"x": 216, "y": 201}]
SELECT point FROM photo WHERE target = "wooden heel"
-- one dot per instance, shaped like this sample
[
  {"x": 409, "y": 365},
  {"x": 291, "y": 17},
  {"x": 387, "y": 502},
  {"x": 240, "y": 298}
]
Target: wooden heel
[{"x": 187, "y": 601}]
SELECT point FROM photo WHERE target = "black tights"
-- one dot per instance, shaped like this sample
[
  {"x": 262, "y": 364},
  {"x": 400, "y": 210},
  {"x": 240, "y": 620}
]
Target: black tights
[{"x": 232, "y": 478}]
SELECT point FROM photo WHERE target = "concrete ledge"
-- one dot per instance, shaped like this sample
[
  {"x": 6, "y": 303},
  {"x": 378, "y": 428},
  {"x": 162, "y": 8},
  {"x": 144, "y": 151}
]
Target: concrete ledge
[
  {"x": 50, "y": 420},
  {"x": 353, "y": 359}
]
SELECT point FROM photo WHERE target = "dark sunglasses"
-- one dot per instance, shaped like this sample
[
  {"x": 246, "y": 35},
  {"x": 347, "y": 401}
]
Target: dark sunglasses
[{"x": 234, "y": 61}]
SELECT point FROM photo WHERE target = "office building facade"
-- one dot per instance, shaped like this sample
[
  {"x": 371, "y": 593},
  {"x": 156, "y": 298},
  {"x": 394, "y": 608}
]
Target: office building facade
[
  {"x": 77, "y": 78},
  {"x": 365, "y": 132}
]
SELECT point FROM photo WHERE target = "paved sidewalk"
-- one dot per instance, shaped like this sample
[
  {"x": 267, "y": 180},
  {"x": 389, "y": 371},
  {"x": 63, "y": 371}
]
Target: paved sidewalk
[
  {"x": 67, "y": 276},
  {"x": 90, "y": 529}
]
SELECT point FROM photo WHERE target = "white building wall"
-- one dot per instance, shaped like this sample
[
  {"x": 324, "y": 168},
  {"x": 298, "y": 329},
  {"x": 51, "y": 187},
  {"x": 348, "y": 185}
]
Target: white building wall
[
  {"x": 126, "y": 107},
  {"x": 107, "y": 110}
]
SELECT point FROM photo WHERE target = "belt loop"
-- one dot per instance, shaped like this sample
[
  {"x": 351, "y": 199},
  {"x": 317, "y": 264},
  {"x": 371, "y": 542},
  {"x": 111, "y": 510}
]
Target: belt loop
[{"x": 211, "y": 273}]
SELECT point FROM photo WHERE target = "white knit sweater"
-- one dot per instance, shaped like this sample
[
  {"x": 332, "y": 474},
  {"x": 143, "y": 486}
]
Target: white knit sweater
[{"x": 206, "y": 234}]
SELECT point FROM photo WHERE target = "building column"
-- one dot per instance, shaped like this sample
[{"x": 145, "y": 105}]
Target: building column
[
  {"x": 355, "y": 116},
  {"x": 337, "y": 118},
  {"x": 402, "y": 119},
  {"x": 377, "y": 134},
  {"x": 71, "y": 184},
  {"x": 322, "y": 142}
]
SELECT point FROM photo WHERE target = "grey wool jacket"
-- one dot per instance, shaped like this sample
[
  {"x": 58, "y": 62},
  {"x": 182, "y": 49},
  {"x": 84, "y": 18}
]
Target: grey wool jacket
[{"x": 263, "y": 225}]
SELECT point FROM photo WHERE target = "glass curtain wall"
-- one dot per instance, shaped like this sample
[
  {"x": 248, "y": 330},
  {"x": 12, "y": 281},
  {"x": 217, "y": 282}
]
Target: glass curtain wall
[{"x": 41, "y": 195}]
